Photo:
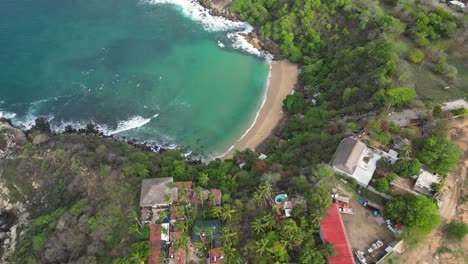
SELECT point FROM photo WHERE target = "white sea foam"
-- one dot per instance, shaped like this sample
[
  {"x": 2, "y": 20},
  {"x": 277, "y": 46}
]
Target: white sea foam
[
  {"x": 132, "y": 123},
  {"x": 7, "y": 115},
  {"x": 198, "y": 13}
]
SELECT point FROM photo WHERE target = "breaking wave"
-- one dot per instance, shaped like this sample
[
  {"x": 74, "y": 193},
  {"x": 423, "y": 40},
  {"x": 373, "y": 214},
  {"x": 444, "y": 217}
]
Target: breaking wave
[
  {"x": 132, "y": 123},
  {"x": 238, "y": 30}
]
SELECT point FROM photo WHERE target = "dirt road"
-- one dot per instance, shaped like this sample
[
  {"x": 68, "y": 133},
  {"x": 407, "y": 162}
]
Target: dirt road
[{"x": 437, "y": 249}]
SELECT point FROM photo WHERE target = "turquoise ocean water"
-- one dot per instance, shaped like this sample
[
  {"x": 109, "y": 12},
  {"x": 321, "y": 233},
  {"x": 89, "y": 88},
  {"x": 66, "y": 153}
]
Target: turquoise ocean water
[{"x": 154, "y": 72}]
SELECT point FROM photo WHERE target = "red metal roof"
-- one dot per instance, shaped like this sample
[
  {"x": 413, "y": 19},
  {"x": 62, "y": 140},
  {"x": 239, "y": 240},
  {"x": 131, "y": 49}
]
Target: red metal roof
[
  {"x": 333, "y": 231},
  {"x": 186, "y": 185},
  {"x": 155, "y": 237}
]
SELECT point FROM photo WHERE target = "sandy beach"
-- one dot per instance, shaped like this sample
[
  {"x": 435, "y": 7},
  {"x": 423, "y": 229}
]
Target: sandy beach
[{"x": 282, "y": 80}]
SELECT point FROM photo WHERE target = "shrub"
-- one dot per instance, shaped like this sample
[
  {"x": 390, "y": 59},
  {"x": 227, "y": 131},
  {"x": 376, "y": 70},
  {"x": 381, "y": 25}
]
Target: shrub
[
  {"x": 409, "y": 133},
  {"x": 294, "y": 103},
  {"x": 401, "y": 96},
  {"x": 457, "y": 230},
  {"x": 415, "y": 211},
  {"x": 391, "y": 176},
  {"x": 416, "y": 56},
  {"x": 407, "y": 168},
  {"x": 382, "y": 185},
  {"x": 38, "y": 242},
  {"x": 436, "y": 187},
  {"x": 384, "y": 138},
  {"x": 394, "y": 128},
  {"x": 437, "y": 111}
]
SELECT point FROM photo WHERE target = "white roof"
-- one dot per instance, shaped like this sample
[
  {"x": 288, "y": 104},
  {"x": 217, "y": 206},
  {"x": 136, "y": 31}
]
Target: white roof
[
  {"x": 165, "y": 232},
  {"x": 426, "y": 179},
  {"x": 365, "y": 170}
]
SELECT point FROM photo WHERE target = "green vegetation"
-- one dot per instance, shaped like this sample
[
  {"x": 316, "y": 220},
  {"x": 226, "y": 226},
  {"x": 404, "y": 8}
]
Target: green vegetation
[
  {"x": 415, "y": 211},
  {"x": 457, "y": 230},
  {"x": 401, "y": 96},
  {"x": 407, "y": 168},
  {"x": 438, "y": 153},
  {"x": 294, "y": 103},
  {"x": 416, "y": 56},
  {"x": 382, "y": 185}
]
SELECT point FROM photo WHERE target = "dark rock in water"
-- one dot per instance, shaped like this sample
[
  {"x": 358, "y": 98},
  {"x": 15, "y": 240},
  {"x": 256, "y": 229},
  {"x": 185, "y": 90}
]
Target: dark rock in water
[
  {"x": 91, "y": 129},
  {"x": 69, "y": 129},
  {"x": 6, "y": 221},
  {"x": 42, "y": 124}
]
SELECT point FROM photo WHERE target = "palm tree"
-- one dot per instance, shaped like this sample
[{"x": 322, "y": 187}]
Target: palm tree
[
  {"x": 227, "y": 212},
  {"x": 217, "y": 211},
  {"x": 167, "y": 198},
  {"x": 133, "y": 215},
  {"x": 203, "y": 179},
  {"x": 257, "y": 226},
  {"x": 406, "y": 151},
  {"x": 229, "y": 253},
  {"x": 180, "y": 225},
  {"x": 257, "y": 198},
  {"x": 262, "y": 246},
  {"x": 183, "y": 194},
  {"x": 181, "y": 211},
  {"x": 162, "y": 258},
  {"x": 227, "y": 234},
  {"x": 200, "y": 193},
  {"x": 162, "y": 216},
  {"x": 268, "y": 221}
]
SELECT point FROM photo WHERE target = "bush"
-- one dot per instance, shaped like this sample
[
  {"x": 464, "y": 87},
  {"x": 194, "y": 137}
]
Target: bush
[
  {"x": 437, "y": 111},
  {"x": 407, "y": 168},
  {"x": 394, "y": 128},
  {"x": 457, "y": 230},
  {"x": 384, "y": 138},
  {"x": 38, "y": 242},
  {"x": 416, "y": 56},
  {"x": 414, "y": 211},
  {"x": 294, "y": 103},
  {"x": 439, "y": 154},
  {"x": 382, "y": 185},
  {"x": 409, "y": 133},
  {"x": 436, "y": 187},
  {"x": 401, "y": 96},
  {"x": 391, "y": 176}
]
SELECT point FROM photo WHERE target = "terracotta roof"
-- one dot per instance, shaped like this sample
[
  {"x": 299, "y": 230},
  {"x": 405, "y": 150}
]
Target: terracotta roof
[
  {"x": 175, "y": 212},
  {"x": 178, "y": 257},
  {"x": 347, "y": 155},
  {"x": 154, "y": 239},
  {"x": 176, "y": 235},
  {"x": 332, "y": 231},
  {"x": 217, "y": 195},
  {"x": 185, "y": 184},
  {"x": 215, "y": 255},
  {"x": 153, "y": 191}
]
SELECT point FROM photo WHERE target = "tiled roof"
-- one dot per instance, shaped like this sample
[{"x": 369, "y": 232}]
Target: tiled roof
[
  {"x": 155, "y": 242},
  {"x": 180, "y": 185},
  {"x": 215, "y": 255}
]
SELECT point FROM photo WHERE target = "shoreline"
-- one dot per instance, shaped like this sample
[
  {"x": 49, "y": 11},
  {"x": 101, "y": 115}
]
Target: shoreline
[{"x": 282, "y": 79}]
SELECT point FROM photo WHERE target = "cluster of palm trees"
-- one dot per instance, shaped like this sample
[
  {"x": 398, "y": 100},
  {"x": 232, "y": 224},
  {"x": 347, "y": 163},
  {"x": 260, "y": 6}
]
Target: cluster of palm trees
[
  {"x": 262, "y": 195},
  {"x": 264, "y": 223}
]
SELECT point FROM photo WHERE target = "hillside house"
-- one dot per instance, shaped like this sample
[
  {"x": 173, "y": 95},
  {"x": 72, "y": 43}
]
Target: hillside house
[
  {"x": 215, "y": 256},
  {"x": 424, "y": 182},
  {"x": 155, "y": 193}
]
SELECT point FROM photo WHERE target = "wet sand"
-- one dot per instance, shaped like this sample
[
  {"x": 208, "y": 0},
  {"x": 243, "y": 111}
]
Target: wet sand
[{"x": 282, "y": 80}]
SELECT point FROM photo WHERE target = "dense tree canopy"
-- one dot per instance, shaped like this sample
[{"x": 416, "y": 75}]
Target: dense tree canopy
[
  {"x": 407, "y": 168},
  {"x": 416, "y": 211},
  {"x": 438, "y": 153}
]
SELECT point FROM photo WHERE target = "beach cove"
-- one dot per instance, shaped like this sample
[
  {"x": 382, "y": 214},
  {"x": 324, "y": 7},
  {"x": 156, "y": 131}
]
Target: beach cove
[{"x": 197, "y": 85}]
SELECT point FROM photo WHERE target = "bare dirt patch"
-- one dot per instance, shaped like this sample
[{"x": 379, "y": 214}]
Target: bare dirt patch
[
  {"x": 364, "y": 229},
  {"x": 438, "y": 248}
]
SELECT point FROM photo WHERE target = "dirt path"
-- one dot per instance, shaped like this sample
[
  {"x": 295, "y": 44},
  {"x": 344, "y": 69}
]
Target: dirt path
[{"x": 426, "y": 252}]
